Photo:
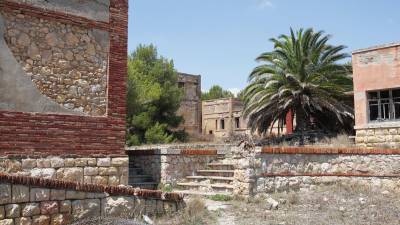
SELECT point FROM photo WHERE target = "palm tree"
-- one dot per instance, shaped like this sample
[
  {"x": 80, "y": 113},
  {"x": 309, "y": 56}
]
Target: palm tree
[{"x": 303, "y": 74}]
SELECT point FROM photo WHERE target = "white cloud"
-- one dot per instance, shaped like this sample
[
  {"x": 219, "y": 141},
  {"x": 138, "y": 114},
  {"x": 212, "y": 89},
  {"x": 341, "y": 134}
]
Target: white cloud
[{"x": 263, "y": 4}]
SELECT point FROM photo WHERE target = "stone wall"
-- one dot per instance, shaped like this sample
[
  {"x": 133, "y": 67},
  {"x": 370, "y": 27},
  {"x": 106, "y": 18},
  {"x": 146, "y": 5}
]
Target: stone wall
[
  {"x": 62, "y": 102},
  {"x": 170, "y": 163},
  {"x": 379, "y": 137},
  {"x": 190, "y": 108},
  {"x": 100, "y": 170},
  {"x": 262, "y": 170},
  {"x": 67, "y": 63},
  {"x": 26, "y": 200}
]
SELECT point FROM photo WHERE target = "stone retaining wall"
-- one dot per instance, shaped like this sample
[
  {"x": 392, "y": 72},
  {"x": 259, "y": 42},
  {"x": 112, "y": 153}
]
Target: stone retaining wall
[
  {"x": 27, "y": 200},
  {"x": 171, "y": 163},
  {"x": 93, "y": 170},
  {"x": 261, "y": 170},
  {"x": 378, "y": 137}
]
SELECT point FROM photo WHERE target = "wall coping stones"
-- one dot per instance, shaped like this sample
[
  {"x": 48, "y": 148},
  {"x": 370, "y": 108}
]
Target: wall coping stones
[
  {"x": 329, "y": 175},
  {"x": 82, "y": 187},
  {"x": 329, "y": 151},
  {"x": 180, "y": 149}
]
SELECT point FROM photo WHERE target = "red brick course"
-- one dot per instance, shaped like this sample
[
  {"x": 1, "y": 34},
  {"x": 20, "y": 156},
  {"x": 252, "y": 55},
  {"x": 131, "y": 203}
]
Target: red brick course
[
  {"x": 329, "y": 151},
  {"x": 53, "y": 134},
  {"x": 329, "y": 175}
]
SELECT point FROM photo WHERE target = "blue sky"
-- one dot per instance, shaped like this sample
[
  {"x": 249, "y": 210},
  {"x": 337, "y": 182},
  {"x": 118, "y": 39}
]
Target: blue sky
[{"x": 220, "y": 39}]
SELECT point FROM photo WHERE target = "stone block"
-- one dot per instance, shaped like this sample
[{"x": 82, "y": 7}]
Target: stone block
[
  {"x": 12, "y": 210},
  {"x": 41, "y": 220},
  {"x": 74, "y": 195},
  {"x": 103, "y": 180},
  {"x": 20, "y": 193},
  {"x": 29, "y": 163},
  {"x": 113, "y": 180},
  {"x": 86, "y": 208},
  {"x": 7, "y": 222},
  {"x": 31, "y": 209},
  {"x": 48, "y": 173},
  {"x": 65, "y": 206},
  {"x": 87, "y": 179},
  {"x": 2, "y": 213},
  {"x": 96, "y": 195},
  {"x": 57, "y": 194},
  {"x": 74, "y": 174},
  {"x": 48, "y": 207},
  {"x": 361, "y": 133},
  {"x": 39, "y": 194},
  {"x": 123, "y": 180},
  {"x": 108, "y": 171},
  {"x": 92, "y": 162},
  {"x": 69, "y": 162},
  {"x": 91, "y": 171},
  {"x": 120, "y": 161},
  {"x": 10, "y": 166},
  {"x": 103, "y": 162},
  {"x": 117, "y": 206},
  {"x": 80, "y": 162},
  {"x": 61, "y": 219},
  {"x": 5, "y": 194},
  {"x": 151, "y": 206},
  {"x": 57, "y": 162},
  {"x": 23, "y": 221},
  {"x": 43, "y": 163}
]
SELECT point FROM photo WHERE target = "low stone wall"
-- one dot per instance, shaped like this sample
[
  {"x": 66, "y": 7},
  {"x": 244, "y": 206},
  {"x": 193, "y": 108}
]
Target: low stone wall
[
  {"x": 91, "y": 170},
  {"x": 27, "y": 200},
  {"x": 170, "y": 163},
  {"x": 378, "y": 137},
  {"x": 262, "y": 170}
]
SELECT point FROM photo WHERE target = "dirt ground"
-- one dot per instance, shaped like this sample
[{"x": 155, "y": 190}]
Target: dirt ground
[{"x": 330, "y": 205}]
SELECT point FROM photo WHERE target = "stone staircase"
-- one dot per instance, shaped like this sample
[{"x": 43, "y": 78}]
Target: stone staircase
[
  {"x": 217, "y": 179},
  {"x": 138, "y": 179}
]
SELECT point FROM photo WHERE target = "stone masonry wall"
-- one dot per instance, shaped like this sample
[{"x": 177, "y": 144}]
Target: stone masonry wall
[
  {"x": 101, "y": 170},
  {"x": 170, "y": 163},
  {"x": 49, "y": 130},
  {"x": 263, "y": 170},
  {"x": 378, "y": 137},
  {"x": 25, "y": 200},
  {"x": 67, "y": 63}
]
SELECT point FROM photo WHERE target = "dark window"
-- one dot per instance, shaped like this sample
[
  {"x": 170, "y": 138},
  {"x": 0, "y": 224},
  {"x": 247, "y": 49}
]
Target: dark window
[
  {"x": 222, "y": 124},
  {"x": 181, "y": 84},
  {"x": 210, "y": 132},
  {"x": 237, "y": 122},
  {"x": 216, "y": 124},
  {"x": 384, "y": 105}
]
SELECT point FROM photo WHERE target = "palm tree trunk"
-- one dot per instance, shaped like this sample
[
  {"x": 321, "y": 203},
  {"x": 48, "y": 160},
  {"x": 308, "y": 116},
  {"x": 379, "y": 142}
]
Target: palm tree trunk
[{"x": 302, "y": 123}]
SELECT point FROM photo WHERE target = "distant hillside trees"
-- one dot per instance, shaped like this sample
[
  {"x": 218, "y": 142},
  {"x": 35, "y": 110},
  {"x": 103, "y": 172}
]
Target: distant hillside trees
[
  {"x": 216, "y": 92},
  {"x": 153, "y": 98}
]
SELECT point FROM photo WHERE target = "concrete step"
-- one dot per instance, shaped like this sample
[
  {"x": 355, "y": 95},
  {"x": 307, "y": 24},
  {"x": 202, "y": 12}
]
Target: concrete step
[
  {"x": 145, "y": 185},
  {"x": 213, "y": 179},
  {"x": 221, "y": 166},
  {"x": 199, "y": 186},
  {"x": 219, "y": 173},
  {"x": 201, "y": 193}
]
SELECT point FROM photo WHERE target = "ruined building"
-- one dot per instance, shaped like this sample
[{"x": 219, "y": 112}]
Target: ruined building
[
  {"x": 191, "y": 103},
  {"x": 223, "y": 118},
  {"x": 376, "y": 77}
]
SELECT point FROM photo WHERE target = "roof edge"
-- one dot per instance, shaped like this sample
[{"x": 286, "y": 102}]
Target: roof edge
[{"x": 376, "y": 47}]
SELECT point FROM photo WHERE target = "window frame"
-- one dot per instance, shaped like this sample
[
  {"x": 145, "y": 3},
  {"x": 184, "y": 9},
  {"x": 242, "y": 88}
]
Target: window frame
[{"x": 390, "y": 101}]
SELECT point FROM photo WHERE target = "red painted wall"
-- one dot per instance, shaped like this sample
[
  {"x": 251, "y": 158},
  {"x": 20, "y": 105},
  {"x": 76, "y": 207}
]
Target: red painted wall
[{"x": 54, "y": 134}]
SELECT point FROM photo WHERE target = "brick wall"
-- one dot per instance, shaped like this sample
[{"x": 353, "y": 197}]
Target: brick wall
[{"x": 34, "y": 133}]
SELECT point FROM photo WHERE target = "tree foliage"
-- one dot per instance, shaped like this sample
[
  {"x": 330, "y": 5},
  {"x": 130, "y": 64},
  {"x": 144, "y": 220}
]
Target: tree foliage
[
  {"x": 153, "y": 98},
  {"x": 303, "y": 74},
  {"x": 216, "y": 92}
]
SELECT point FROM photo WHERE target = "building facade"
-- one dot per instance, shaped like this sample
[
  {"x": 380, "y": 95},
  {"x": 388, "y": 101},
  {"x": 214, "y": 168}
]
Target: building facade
[
  {"x": 376, "y": 74},
  {"x": 223, "y": 118},
  {"x": 190, "y": 107}
]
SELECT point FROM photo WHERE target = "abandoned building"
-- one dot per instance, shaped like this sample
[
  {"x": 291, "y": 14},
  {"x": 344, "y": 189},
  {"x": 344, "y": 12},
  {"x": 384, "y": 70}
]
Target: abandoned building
[
  {"x": 376, "y": 77},
  {"x": 223, "y": 118},
  {"x": 190, "y": 107}
]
